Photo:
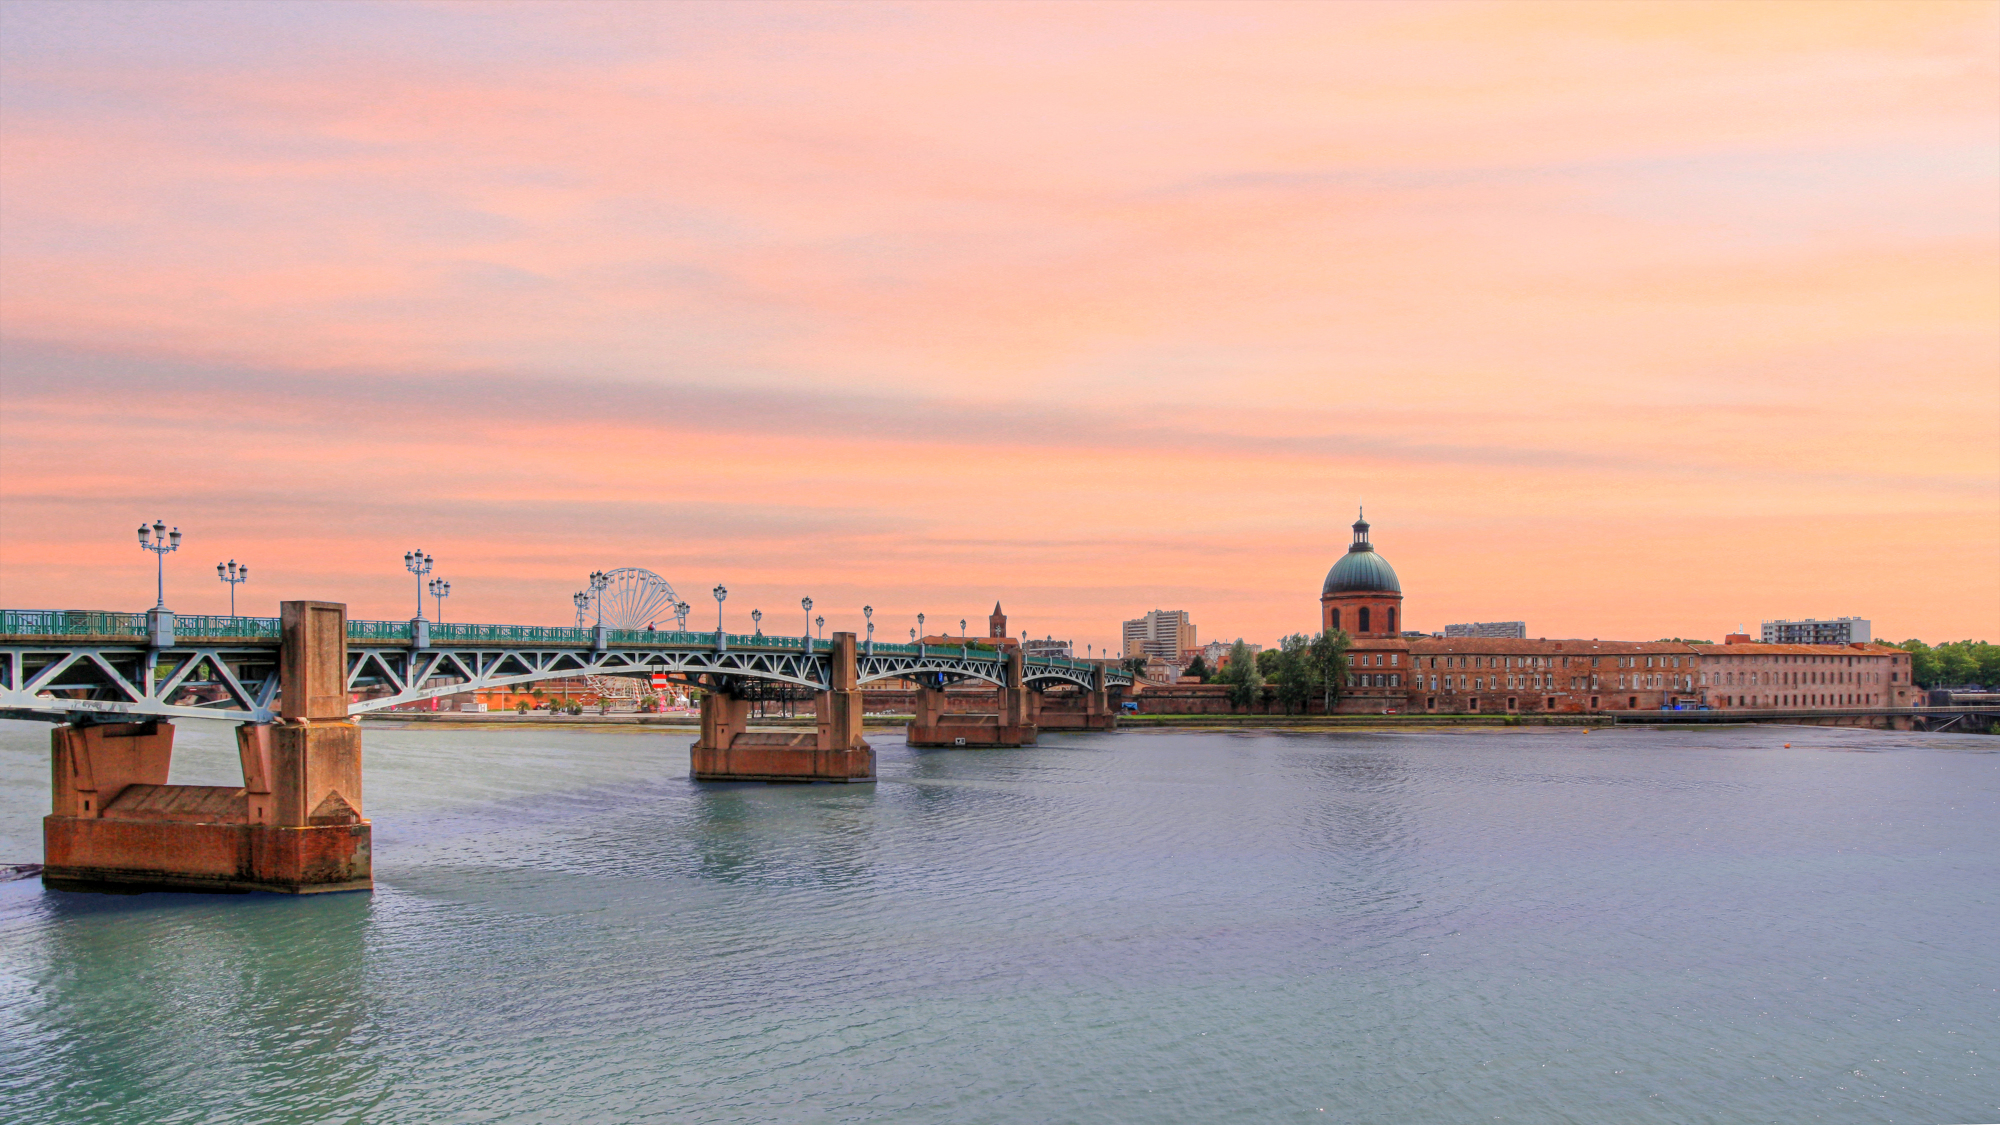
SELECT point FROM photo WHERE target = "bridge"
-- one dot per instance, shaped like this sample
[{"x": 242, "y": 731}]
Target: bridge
[
  {"x": 58, "y": 665},
  {"x": 115, "y": 682}
]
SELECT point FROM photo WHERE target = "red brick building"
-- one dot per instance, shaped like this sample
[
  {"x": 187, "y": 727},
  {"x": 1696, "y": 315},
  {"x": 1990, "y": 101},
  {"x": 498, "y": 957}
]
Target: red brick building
[{"x": 1390, "y": 672}]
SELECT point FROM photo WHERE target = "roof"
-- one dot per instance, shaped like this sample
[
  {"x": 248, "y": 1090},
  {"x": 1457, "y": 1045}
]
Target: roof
[
  {"x": 1572, "y": 646},
  {"x": 1361, "y": 570},
  {"x": 1866, "y": 648},
  {"x": 1568, "y": 646}
]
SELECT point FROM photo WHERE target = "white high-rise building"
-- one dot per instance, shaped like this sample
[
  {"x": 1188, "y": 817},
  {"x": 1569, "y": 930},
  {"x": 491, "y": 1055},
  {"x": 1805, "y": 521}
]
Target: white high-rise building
[
  {"x": 1813, "y": 631},
  {"x": 1164, "y": 633}
]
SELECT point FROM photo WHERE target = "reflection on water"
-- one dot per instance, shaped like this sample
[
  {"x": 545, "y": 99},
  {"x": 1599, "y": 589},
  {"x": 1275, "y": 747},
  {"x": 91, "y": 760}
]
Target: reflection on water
[{"x": 1523, "y": 925}]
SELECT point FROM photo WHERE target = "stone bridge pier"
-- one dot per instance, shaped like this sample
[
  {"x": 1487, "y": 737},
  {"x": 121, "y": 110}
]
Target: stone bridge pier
[
  {"x": 835, "y": 751},
  {"x": 1013, "y": 725},
  {"x": 294, "y": 825},
  {"x": 1091, "y": 709}
]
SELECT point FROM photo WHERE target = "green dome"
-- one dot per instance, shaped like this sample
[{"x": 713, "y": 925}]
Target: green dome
[{"x": 1361, "y": 570}]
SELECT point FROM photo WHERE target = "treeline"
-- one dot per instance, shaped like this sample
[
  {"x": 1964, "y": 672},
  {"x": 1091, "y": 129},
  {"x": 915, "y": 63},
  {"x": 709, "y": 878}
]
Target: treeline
[
  {"x": 1301, "y": 669},
  {"x": 1953, "y": 663}
]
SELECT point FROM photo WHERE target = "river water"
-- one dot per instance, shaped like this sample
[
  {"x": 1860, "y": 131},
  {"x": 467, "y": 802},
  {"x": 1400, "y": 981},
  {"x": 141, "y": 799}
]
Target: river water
[{"x": 1522, "y": 926}]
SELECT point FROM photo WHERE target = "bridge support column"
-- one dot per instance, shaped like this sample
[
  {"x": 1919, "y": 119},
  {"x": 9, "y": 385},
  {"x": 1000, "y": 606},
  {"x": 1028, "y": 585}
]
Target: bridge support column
[
  {"x": 294, "y": 826},
  {"x": 834, "y": 751},
  {"x": 1013, "y": 726},
  {"x": 1088, "y": 710}
]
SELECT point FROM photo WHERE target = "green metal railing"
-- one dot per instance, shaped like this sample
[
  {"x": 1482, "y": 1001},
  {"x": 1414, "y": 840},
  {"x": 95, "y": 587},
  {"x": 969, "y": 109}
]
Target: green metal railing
[
  {"x": 378, "y": 631},
  {"x": 71, "y": 623},
  {"x": 462, "y": 633},
  {"x": 231, "y": 628},
  {"x": 93, "y": 623}
]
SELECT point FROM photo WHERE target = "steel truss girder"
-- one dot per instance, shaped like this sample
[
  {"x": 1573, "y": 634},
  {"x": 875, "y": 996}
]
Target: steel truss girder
[
  {"x": 410, "y": 674},
  {"x": 419, "y": 674},
  {"x": 22, "y": 692},
  {"x": 891, "y": 666},
  {"x": 1082, "y": 678}
]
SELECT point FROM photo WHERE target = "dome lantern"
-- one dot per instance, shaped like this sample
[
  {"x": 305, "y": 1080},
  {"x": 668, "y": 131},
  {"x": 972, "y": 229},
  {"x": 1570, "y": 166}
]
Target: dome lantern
[{"x": 1361, "y": 570}]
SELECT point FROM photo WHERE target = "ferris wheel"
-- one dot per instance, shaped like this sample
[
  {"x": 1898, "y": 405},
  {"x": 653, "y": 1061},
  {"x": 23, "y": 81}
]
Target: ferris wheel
[{"x": 631, "y": 598}]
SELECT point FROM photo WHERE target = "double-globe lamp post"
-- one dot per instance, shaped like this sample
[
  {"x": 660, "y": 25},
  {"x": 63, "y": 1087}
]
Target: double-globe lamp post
[
  {"x": 721, "y": 593},
  {"x": 419, "y": 564},
  {"x": 440, "y": 590},
  {"x": 599, "y": 582},
  {"x": 161, "y": 542},
  {"x": 234, "y": 575}
]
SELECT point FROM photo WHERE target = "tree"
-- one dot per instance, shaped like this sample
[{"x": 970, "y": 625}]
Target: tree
[
  {"x": 1240, "y": 673},
  {"x": 1135, "y": 664},
  {"x": 1199, "y": 669},
  {"x": 1268, "y": 662},
  {"x": 1923, "y": 662},
  {"x": 1297, "y": 677},
  {"x": 1327, "y": 657},
  {"x": 1954, "y": 663}
]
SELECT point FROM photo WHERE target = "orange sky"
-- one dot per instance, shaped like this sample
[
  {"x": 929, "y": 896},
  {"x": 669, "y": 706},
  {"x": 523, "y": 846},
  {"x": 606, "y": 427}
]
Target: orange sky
[{"x": 1628, "y": 320}]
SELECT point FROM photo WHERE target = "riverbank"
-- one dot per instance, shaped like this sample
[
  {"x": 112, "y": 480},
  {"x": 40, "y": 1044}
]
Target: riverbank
[{"x": 692, "y": 723}]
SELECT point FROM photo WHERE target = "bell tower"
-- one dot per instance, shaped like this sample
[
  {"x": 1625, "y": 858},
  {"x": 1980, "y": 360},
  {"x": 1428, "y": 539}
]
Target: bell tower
[{"x": 996, "y": 625}]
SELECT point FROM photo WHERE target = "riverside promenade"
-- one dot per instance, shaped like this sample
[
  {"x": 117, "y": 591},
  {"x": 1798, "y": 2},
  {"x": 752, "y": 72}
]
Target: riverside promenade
[{"x": 1965, "y": 720}]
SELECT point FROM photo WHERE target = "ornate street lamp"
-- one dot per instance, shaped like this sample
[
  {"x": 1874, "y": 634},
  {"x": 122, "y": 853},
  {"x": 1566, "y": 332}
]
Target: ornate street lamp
[
  {"x": 598, "y": 581},
  {"x": 419, "y": 564},
  {"x": 162, "y": 543},
  {"x": 680, "y": 615},
  {"x": 821, "y": 622},
  {"x": 807, "y": 605},
  {"x": 961, "y": 632},
  {"x": 440, "y": 590},
  {"x": 582, "y": 601},
  {"x": 231, "y": 573},
  {"x": 757, "y": 619},
  {"x": 920, "y": 626},
  {"x": 721, "y": 593},
  {"x": 868, "y": 614}
]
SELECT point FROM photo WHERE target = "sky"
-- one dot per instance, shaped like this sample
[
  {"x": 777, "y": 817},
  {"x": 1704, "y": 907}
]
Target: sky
[{"x": 1626, "y": 320}]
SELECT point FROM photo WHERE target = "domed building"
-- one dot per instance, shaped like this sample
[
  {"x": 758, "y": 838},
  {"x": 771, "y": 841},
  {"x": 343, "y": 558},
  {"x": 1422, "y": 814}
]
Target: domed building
[{"x": 1361, "y": 594}]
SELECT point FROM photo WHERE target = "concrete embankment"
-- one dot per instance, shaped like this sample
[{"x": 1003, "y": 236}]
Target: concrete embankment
[{"x": 690, "y": 723}]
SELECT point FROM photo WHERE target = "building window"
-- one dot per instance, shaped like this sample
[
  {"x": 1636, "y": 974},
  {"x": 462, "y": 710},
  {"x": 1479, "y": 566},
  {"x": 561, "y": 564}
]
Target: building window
[
  {"x": 1389, "y": 620},
  {"x": 1333, "y": 623},
  {"x": 1361, "y": 620}
]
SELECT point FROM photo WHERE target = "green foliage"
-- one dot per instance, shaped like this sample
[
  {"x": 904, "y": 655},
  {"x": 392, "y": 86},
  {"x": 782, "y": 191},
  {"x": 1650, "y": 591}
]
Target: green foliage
[
  {"x": 1200, "y": 670},
  {"x": 1295, "y": 673},
  {"x": 521, "y": 708},
  {"x": 1134, "y": 664},
  {"x": 1300, "y": 668},
  {"x": 1240, "y": 674},
  {"x": 1684, "y": 641},
  {"x": 1328, "y": 655},
  {"x": 1953, "y": 663}
]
